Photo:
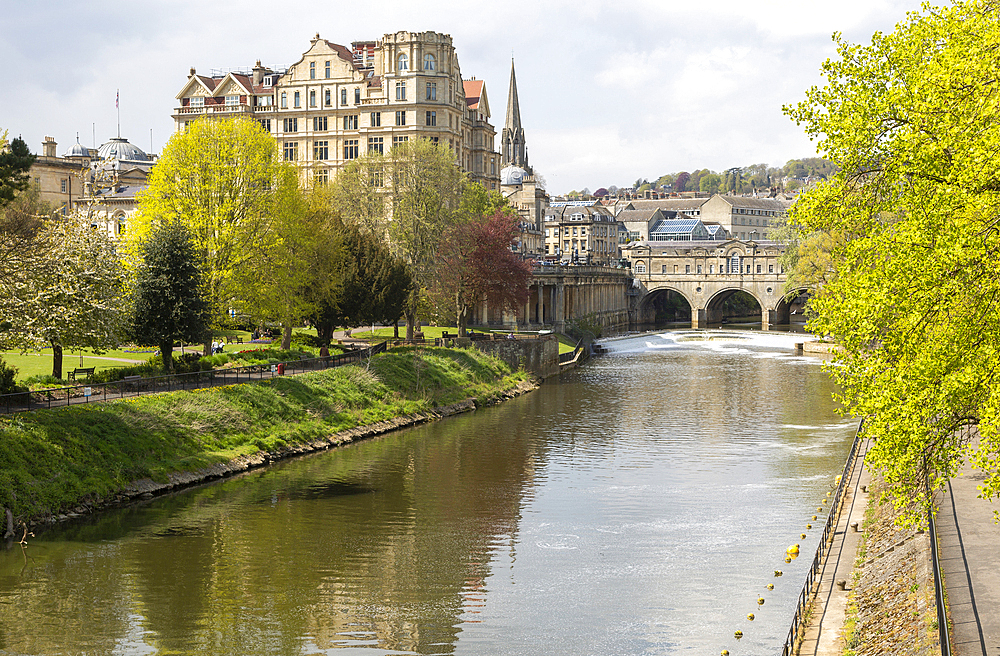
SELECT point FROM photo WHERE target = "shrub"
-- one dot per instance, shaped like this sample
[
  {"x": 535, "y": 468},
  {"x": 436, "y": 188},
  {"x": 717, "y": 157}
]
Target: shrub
[
  {"x": 44, "y": 380},
  {"x": 8, "y": 375}
]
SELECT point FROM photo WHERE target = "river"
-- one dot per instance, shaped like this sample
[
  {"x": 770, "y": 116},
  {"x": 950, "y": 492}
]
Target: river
[{"x": 638, "y": 505}]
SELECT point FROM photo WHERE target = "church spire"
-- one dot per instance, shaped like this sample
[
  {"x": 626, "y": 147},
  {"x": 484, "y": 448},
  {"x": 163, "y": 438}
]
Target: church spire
[
  {"x": 512, "y": 144},
  {"x": 513, "y": 110}
]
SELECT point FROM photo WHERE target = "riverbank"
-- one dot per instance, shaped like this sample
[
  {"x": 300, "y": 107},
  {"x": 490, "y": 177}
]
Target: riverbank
[
  {"x": 78, "y": 459},
  {"x": 887, "y": 602}
]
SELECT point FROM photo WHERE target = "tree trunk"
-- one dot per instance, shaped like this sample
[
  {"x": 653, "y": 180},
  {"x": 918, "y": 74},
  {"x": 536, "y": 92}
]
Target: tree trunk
[
  {"x": 411, "y": 318},
  {"x": 57, "y": 353},
  {"x": 324, "y": 333},
  {"x": 167, "y": 355},
  {"x": 395, "y": 328},
  {"x": 286, "y": 337},
  {"x": 411, "y": 312},
  {"x": 208, "y": 346}
]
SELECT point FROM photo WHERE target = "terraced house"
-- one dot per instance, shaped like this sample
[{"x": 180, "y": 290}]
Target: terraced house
[{"x": 336, "y": 103}]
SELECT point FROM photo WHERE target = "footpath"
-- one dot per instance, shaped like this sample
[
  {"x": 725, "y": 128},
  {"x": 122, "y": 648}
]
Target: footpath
[
  {"x": 969, "y": 542},
  {"x": 969, "y": 551},
  {"x": 822, "y": 635}
]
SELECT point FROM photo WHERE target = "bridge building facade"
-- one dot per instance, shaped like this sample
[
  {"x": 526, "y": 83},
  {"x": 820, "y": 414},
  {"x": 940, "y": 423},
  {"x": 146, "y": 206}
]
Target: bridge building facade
[{"x": 706, "y": 274}]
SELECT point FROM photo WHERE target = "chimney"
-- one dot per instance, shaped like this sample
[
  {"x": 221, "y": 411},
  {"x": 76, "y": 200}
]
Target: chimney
[
  {"x": 258, "y": 74},
  {"x": 49, "y": 147}
]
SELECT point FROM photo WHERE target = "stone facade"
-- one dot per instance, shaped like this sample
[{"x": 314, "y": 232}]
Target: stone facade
[
  {"x": 336, "y": 103},
  {"x": 707, "y": 273},
  {"x": 98, "y": 183},
  {"x": 581, "y": 232}
]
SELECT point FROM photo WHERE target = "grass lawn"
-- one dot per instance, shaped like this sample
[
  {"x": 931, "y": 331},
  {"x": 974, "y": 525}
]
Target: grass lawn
[
  {"x": 31, "y": 364},
  {"x": 430, "y": 332},
  {"x": 566, "y": 344}
]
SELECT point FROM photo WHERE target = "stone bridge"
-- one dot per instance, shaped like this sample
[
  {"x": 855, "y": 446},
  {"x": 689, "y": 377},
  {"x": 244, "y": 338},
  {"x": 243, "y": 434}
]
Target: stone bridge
[{"x": 706, "y": 274}]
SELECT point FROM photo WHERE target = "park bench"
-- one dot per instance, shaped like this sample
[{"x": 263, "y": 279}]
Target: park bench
[{"x": 86, "y": 372}]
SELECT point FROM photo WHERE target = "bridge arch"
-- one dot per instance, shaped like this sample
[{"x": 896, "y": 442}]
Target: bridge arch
[
  {"x": 665, "y": 304},
  {"x": 790, "y": 306},
  {"x": 715, "y": 306}
]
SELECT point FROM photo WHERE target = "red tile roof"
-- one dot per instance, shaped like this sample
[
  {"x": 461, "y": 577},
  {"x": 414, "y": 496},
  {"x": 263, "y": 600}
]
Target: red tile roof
[{"x": 473, "y": 92}]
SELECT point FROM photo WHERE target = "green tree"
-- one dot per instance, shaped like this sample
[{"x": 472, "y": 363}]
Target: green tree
[
  {"x": 169, "y": 300},
  {"x": 15, "y": 163},
  {"x": 911, "y": 123},
  {"x": 421, "y": 190},
  {"x": 225, "y": 181},
  {"x": 67, "y": 292},
  {"x": 710, "y": 183}
]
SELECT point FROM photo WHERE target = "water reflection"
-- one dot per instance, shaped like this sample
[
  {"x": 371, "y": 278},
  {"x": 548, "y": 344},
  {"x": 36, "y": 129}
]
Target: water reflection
[{"x": 637, "y": 506}]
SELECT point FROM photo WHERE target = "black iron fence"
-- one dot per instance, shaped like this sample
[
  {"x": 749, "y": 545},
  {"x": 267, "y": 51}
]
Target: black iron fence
[
  {"x": 132, "y": 386},
  {"x": 826, "y": 541}
]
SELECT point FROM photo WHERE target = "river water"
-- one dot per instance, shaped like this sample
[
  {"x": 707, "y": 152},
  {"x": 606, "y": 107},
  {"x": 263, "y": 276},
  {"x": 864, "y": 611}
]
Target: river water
[{"x": 639, "y": 505}]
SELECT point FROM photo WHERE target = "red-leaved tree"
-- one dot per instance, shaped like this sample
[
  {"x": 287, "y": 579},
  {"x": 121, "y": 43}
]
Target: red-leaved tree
[{"x": 477, "y": 264}]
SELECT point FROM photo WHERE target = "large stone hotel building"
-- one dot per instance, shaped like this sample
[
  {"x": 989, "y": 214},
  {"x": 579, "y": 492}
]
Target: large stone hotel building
[{"x": 336, "y": 103}]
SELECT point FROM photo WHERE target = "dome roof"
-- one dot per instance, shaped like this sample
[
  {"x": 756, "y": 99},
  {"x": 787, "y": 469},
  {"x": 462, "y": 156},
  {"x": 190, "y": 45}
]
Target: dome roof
[
  {"x": 512, "y": 175},
  {"x": 77, "y": 150},
  {"x": 121, "y": 150}
]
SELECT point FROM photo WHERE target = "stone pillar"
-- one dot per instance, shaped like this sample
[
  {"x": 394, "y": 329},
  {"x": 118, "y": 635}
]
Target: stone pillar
[
  {"x": 768, "y": 318},
  {"x": 559, "y": 307},
  {"x": 699, "y": 318},
  {"x": 541, "y": 304}
]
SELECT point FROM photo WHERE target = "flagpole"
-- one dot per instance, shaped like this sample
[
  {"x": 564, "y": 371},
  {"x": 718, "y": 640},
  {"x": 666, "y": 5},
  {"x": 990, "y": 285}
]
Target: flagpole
[{"x": 119, "y": 112}]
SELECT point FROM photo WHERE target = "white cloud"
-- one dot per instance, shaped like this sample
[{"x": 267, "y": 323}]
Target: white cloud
[{"x": 609, "y": 91}]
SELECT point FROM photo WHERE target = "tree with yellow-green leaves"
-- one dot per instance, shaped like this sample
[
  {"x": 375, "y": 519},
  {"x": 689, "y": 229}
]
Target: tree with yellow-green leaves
[
  {"x": 913, "y": 123},
  {"x": 225, "y": 181},
  {"x": 413, "y": 196}
]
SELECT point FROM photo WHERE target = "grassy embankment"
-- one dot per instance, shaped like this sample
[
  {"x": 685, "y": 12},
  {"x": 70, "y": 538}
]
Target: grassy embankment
[{"x": 55, "y": 459}]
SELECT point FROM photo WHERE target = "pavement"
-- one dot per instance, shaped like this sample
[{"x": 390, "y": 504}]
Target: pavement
[
  {"x": 969, "y": 547},
  {"x": 830, "y": 605}
]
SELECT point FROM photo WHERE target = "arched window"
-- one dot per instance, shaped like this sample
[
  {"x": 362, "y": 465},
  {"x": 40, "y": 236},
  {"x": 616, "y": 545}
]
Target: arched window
[
  {"x": 404, "y": 62},
  {"x": 734, "y": 263},
  {"x": 640, "y": 267},
  {"x": 429, "y": 62}
]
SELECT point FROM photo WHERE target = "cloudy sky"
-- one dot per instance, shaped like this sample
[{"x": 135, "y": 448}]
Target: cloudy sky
[{"x": 610, "y": 91}]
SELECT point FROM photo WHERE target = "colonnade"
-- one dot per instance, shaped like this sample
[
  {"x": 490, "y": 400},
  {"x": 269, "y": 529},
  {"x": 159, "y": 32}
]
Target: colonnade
[{"x": 560, "y": 294}]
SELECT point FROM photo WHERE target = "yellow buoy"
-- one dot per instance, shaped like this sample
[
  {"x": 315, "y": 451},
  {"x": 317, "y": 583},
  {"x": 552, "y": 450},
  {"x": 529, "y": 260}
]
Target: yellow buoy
[
  {"x": 814, "y": 518},
  {"x": 808, "y": 526},
  {"x": 778, "y": 572},
  {"x": 738, "y": 634},
  {"x": 770, "y": 586},
  {"x": 725, "y": 652},
  {"x": 802, "y": 535},
  {"x": 793, "y": 549},
  {"x": 820, "y": 509},
  {"x": 750, "y": 616},
  {"x": 760, "y": 601}
]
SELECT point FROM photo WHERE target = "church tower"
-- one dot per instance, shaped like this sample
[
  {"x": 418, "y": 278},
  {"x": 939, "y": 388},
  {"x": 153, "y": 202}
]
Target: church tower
[{"x": 512, "y": 146}]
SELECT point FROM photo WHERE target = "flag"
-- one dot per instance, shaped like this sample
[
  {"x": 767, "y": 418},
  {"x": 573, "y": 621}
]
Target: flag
[{"x": 116, "y": 99}]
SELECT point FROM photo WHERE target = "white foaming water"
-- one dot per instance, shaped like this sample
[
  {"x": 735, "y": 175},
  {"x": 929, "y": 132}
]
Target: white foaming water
[{"x": 762, "y": 344}]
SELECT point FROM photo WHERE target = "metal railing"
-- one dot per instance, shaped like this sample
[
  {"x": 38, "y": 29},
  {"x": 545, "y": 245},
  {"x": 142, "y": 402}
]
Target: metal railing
[
  {"x": 133, "y": 386},
  {"x": 808, "y": 588}
]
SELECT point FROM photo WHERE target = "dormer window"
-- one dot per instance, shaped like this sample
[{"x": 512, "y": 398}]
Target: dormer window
[
  {"x": 429, "y": 62},
  {"x": 198, "y": 101},
  {"x": 403, "y": 63},
  {"x": 232, "y": 100}
]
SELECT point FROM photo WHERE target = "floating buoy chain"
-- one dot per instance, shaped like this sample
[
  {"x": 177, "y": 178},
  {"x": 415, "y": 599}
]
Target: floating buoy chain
[{"x": 790, "y": 553}]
